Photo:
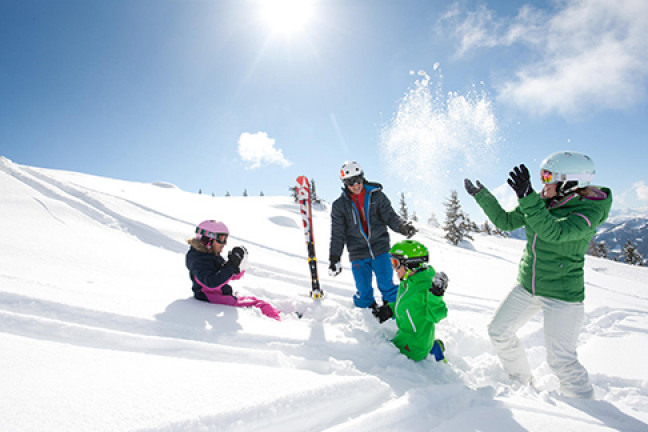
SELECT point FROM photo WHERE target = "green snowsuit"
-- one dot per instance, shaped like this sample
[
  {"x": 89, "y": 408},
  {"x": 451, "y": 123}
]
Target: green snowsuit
[
  {"x": 416, "y": 311},
  {"x": 558, "y": 233}
]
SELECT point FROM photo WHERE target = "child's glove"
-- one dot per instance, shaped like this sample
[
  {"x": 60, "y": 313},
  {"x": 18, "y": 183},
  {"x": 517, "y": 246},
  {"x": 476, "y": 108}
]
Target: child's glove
[
  {"x": 234, "y": 258},
  {"x": 439, "y": 284},
  {"x": 383, "y": 313}
]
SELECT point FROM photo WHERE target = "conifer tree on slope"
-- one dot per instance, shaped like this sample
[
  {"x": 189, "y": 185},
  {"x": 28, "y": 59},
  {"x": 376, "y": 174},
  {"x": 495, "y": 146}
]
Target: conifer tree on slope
[
  {"x": 632, "y": 256},
  {"x": 456, "y": 224}
]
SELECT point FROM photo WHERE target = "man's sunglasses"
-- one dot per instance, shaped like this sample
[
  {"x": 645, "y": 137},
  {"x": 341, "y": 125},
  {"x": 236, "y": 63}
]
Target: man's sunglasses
[{"x": 350, "y": 181}]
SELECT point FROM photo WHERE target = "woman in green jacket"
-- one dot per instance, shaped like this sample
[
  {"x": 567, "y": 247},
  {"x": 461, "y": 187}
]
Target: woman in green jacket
[
  {"x": 559, "y": 223},
  {"x": 419, "y": 302}
]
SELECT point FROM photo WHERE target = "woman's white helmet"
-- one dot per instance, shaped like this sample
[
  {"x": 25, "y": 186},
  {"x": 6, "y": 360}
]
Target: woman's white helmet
[
  {"x": 350, "y": 169},
  {"x": 572, "y": 169}
]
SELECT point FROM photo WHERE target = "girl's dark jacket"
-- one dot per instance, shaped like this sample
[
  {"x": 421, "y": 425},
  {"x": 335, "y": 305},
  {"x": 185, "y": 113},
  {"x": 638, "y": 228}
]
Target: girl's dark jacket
[
  {"x": 346, "y": 227},
  {"x": 207, "y": 272}
]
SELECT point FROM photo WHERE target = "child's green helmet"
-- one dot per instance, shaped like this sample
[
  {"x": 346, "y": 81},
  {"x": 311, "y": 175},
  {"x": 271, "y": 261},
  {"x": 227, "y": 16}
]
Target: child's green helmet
[{"x": 410, "y": 253}]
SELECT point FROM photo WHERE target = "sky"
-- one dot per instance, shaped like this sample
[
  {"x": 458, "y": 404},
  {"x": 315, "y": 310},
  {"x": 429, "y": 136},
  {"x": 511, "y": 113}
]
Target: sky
[{"x": 242, "y": 96}]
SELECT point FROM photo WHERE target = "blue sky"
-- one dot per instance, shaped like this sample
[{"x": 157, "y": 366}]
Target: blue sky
[{"x": 227, "y": 96}]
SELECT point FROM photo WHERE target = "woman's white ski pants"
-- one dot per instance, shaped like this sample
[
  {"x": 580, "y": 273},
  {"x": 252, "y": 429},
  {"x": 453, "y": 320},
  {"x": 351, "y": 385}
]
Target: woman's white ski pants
[{"x": 562, "y": 325}]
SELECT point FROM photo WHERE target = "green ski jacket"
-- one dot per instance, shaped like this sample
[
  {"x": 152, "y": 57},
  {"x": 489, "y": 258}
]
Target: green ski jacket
[
  {"x": 558, "y": 234},
  {"x": 416, "y": 311}
]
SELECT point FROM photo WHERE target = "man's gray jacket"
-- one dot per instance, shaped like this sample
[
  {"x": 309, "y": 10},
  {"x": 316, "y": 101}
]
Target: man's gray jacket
[{"x": 346, "y": 227}]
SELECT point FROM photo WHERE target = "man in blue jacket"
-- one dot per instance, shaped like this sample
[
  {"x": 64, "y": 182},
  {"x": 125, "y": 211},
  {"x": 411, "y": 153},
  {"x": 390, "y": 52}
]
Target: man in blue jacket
[{"x": 359, "y": 220}]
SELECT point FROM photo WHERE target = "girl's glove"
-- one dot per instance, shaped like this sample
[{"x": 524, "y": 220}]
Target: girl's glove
[
  {"x": 520, "y": 181},
  {"x": 234, "y": 258},
  {"x": 471, "y": 188}
]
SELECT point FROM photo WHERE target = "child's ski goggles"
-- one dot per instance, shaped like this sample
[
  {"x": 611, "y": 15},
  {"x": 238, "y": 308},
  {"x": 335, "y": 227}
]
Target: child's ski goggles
[
  {"x": 396, "y": 263},
  {"x": 220, "y": 238}
]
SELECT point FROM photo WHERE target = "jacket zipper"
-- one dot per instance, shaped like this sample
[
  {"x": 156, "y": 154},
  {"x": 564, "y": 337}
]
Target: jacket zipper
[
  {"x": 533, "y": 271},
  {"x": 358, "y": 222}
]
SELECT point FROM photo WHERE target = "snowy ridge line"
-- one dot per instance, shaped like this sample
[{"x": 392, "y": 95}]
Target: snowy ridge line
[
  {"x": 102, "y": 338},
  {"x": 92, "y": 208}
]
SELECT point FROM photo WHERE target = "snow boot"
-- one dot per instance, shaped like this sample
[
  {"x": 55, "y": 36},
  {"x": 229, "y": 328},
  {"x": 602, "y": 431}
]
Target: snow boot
[{"x": 438, "y": 350}]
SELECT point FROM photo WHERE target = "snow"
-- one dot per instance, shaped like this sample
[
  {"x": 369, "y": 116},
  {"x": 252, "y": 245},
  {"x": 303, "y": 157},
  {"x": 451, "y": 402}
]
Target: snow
[{"x": 99, "y": 331}]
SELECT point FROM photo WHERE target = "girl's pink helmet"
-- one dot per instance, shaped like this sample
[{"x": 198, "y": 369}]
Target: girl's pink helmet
[{"x": 211, "y": 229}]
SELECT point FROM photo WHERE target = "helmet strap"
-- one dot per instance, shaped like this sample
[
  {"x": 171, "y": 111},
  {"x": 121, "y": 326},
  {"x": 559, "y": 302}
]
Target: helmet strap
[{"x": 565, "y": 188}]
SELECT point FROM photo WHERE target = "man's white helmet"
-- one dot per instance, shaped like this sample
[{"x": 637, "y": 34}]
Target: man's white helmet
[
  {"x": 350, "y": 169},
  {"x": 567, "y": 166}
]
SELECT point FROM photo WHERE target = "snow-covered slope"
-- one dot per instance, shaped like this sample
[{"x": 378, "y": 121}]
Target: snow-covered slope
[{"x": 99, "y": 331}]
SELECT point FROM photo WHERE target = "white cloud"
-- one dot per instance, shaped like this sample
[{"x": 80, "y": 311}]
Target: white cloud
[
  {"x": 641, "y": 189},
  {"x": 258, "y": 149},
  {"x": 590, "y": 55}
]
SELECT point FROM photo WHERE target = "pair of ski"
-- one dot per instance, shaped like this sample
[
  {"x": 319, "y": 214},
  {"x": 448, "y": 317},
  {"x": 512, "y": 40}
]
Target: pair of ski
[{"x": 306, "y": 208}]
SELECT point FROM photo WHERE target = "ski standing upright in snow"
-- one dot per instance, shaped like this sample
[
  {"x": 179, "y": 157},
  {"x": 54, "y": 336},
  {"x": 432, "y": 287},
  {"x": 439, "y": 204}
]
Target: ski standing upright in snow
[{"x": 306, "y": 207}]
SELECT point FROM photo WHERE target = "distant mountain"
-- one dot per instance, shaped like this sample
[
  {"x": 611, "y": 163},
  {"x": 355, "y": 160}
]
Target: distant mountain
[
  {"x": 621, "y": 226},
  {"x": 624, "y": 225}
]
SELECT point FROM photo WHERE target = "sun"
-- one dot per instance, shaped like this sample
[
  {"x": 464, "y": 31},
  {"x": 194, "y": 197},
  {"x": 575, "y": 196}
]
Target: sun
[{"x": 286, "y": 16}]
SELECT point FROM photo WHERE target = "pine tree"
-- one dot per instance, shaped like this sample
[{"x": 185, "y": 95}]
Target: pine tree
[
  {"x": 602, "y": 250},
  {"x": 631, "y": 255},
  {"x": 261, "y": 194},
  {"x": 403, "y": 208},
  {"x": 314, "y": 198},
  {"x": 245, "y": 192},
  {"x": 597, "y": 249},
  {"x": 486, "y": 228},
  {"x": 227, "y": 194},
  {"x": 433, "y": 221},
  {"x": 457, "y": 223},
  {"x": 414, "y": 217},
  {"x": 293, "y": 192}
]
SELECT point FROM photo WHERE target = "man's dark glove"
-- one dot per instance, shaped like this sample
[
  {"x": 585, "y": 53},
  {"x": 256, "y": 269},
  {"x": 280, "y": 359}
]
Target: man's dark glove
[
  {"x": 471, "y": 188},
  {"x": 234, "y": 258},
  {"x": 383, "y": 313},
  {"x": 227, "y": 290},
  {"x": 407, "y": 229},
  {"x": 520, "y": 181},
  {"x": 335, "y": 268},
  {"x": 439, "y": 284}
]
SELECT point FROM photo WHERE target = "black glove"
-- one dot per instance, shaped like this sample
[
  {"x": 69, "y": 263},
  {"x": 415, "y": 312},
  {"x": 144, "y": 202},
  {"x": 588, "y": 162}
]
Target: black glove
[
  {"x": 439, "y": 284},
  {"x": 407, "y": 229},
  {"x": 471, "y": 188},
  {"x": 234, "y": 258},
  {"x": 520, "y": 181},
  {"x": 335, "y": 268},
  {"x": 383, "y": 313},
  {"x": 227, "y": 290}
]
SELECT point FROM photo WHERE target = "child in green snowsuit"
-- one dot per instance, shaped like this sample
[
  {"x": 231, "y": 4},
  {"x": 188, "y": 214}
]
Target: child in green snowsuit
[{"x": 419, "y": 302}]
